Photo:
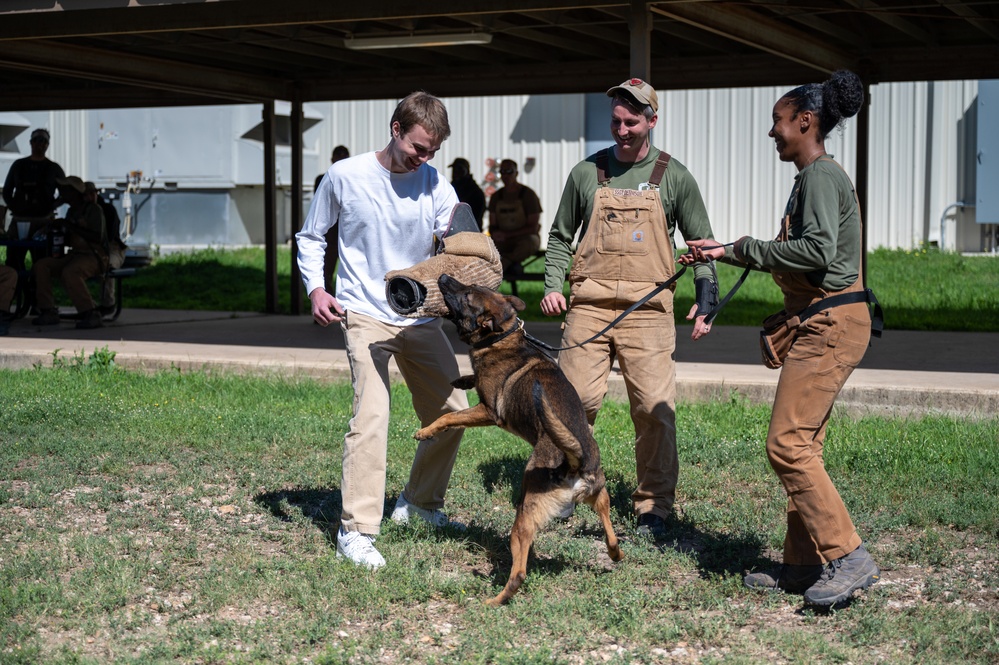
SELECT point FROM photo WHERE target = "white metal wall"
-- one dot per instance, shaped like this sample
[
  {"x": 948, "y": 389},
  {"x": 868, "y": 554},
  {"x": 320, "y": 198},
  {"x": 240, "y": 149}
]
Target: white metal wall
[
  {"x": 547, "y": 128},
  {"x": 921, "y": 137},
  {"x": 721, "y": 137}
]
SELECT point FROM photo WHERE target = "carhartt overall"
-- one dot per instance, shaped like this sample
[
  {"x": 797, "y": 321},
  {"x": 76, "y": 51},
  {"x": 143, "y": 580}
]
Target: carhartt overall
[
  {"x": 828, "y": 346},
  {"x": 625, "y": 253}
]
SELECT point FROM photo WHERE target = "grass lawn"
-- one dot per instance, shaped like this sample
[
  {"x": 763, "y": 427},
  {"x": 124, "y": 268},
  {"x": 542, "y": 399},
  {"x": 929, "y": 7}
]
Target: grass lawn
[
  {"x": 919, "y": 290},
  {"x": 188, "y": 517}
]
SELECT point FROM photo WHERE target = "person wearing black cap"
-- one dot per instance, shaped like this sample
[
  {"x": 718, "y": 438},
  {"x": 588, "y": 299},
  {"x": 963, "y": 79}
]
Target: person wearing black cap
[
  {"x": 468, "y": 191},
  {"x": 87, "y": 236},
  {"x": 30, "y": 193},
  {"x": 626, "y": 202},
  {"x": 332, "y": 244}
]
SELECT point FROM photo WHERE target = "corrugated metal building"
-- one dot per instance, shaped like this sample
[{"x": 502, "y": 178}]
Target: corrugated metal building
[{"x": 207, "y": 162}]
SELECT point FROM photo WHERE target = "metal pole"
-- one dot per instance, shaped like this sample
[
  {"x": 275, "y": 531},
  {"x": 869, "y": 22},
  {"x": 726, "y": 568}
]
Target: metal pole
[
  {"x": 270, "y": 213},
  {"x": 296, "y": 199},
  {"x": 863, "y": 156}
]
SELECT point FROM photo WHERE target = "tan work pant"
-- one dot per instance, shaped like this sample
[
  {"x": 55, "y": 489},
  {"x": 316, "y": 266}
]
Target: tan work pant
[
  {"x": 819, "y": 528},
  {"x": 644, "y": 348},
  {"x": 74, "y": 269},
  {"x": 516, "y": 250},
  {"x": 428, "y": 365}
]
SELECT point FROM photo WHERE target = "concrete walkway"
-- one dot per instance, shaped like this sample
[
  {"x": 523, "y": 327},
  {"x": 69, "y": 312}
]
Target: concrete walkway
[{"x": 904, "y": 372}]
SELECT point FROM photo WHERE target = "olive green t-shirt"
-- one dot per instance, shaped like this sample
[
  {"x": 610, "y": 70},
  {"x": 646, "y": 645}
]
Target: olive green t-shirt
[
  {"x": 824, "y": 233},
  {"x": 678, "y": 190}
]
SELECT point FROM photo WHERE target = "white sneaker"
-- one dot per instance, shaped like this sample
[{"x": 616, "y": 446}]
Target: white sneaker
[
  {"x": 437, "y": 518},
  {"x": 359, "y": 548}
]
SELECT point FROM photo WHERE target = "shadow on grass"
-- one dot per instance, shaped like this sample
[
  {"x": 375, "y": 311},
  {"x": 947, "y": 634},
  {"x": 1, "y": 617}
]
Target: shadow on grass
[
  {"x": 320, "y": 506},
  {"x": 716, "y": 554}
]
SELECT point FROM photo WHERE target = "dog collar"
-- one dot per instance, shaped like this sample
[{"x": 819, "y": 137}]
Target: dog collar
[{"x": 481, "y": 344}]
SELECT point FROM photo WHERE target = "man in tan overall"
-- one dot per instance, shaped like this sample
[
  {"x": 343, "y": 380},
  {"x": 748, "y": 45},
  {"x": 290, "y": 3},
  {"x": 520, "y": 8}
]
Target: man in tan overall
[{"x": 629, "y": 200}]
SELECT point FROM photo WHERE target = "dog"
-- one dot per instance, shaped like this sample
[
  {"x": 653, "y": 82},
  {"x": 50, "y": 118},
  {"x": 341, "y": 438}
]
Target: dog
[{"x": 522, "y": 390}]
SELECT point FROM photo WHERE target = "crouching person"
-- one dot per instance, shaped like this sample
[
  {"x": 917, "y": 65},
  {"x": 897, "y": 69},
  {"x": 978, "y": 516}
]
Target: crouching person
[{"x": 86, "y": 236}]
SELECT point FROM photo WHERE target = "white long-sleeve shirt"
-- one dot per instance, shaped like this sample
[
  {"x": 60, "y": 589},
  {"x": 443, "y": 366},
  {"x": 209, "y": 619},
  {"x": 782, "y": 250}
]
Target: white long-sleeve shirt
[{"x": 386, "y": 222}]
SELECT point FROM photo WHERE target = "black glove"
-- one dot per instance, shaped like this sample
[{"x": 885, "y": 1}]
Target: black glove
[{"x": 706, "y": 295}]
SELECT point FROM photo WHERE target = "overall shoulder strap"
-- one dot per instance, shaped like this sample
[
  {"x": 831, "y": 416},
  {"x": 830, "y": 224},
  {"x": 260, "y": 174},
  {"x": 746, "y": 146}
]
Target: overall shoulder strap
[{"x": 662, "y": 161}]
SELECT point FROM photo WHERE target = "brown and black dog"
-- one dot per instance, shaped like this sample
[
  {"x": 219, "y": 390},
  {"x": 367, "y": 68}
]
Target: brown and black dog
[{"x": 522, "y": 390}]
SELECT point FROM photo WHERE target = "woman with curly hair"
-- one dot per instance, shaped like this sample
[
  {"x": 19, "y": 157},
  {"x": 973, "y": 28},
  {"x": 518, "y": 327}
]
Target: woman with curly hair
[{"x": 817, "y": 254}]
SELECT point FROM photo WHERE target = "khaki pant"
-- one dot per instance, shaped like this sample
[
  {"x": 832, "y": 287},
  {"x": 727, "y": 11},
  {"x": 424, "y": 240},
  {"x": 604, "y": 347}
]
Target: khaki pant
[
  {"x": 819, "y": 528},
  {"x": 74, "y": 269},
  {"x": 116, "y": 258},
  {"x": 427, "y": 363},
  {"x": 644, "y": 348},
  {"x": 516, "y": 250}
]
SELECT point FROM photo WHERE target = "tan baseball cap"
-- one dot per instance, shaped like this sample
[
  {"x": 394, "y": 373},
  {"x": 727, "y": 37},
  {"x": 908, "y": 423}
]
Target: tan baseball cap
[
  {"x": 643, "y": 92},
  {"x": 75, "y": 182}
]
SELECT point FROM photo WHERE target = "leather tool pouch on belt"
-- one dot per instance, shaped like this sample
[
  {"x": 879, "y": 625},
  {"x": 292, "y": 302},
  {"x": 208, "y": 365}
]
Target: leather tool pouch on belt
[{"x": 779, "y": 331}]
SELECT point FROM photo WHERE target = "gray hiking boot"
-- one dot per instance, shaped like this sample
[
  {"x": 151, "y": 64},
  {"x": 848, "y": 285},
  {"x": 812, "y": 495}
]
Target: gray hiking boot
[
  {"x": 842, "y": 577},
  {"x": 786, "y": 577}
]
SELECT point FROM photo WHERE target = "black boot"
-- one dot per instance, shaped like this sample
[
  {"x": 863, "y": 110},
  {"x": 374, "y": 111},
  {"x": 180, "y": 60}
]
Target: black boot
[{"x": 89, "y": 319}]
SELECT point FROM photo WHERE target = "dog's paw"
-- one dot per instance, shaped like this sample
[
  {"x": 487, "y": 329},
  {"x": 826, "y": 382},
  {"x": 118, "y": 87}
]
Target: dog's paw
[
  {"x": 464, "y": 382},
  {"x": 423, "y": 434}
]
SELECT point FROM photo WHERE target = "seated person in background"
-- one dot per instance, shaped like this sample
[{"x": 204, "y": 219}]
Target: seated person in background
[
  {"x": 8, "y": 282},
  {"x": 467, "y": 189},
  {"x": 332, "y": 246},
  {"x": 514, "y": 214},
  {"x": 116, "y": 248},
  {"x": 87, "y": 236}
]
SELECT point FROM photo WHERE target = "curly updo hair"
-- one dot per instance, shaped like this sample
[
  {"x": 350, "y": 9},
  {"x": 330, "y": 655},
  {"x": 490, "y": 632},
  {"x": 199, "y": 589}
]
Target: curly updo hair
[{"x": 839, "y": 98}]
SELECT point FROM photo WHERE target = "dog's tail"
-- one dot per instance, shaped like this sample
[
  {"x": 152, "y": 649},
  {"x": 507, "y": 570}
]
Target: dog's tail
[{"x": 564, "y": 439}]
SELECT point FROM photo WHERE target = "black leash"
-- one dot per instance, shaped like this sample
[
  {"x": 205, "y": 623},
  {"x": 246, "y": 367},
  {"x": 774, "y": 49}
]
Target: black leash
[
  {"x": 728, "y": 296},
  {"x": 648, "y": 296}
]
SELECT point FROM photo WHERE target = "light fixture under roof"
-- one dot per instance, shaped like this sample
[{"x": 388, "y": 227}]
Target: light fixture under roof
[{"x": 412, "y": 41}]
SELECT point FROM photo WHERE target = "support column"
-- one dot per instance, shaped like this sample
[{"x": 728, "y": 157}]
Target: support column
[
  {"x": 296, "y": 199},
  {"x": 863, "y": 157},
  {"x": 640, "y": 27},
  {"x": 270, "y": 211}
]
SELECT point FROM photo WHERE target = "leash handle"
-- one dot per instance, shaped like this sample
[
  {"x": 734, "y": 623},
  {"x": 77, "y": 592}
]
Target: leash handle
[
  {"x": 648, "y": 296},
  {"x": 728, "y": 296}
]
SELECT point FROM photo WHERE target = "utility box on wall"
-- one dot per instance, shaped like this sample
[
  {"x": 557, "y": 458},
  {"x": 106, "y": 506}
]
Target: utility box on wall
[{"x": 987, "y": 157}]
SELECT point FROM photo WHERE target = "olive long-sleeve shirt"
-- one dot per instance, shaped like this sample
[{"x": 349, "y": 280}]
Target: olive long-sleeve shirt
[
  {"x": 823, "y": 235},
  {"x": 680, "y": 195}
]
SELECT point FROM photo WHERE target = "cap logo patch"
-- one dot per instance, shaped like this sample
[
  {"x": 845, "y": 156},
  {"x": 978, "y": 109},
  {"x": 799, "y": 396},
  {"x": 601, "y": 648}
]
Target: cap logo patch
[{"x": 636, "y": 81}]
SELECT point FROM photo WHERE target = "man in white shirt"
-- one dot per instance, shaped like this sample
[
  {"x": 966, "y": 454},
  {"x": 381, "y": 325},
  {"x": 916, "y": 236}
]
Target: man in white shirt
[{"x": 387, "y": 206}]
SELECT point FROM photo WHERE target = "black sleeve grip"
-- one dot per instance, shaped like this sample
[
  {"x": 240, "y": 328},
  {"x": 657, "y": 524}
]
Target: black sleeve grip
[{"x": 706, "y": 295}]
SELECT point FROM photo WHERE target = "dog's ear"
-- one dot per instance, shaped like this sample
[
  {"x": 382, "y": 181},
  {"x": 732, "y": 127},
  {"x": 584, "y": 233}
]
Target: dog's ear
[
  {"x": 517, "y": 303},
  {"x": 486, "y": 321}
]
